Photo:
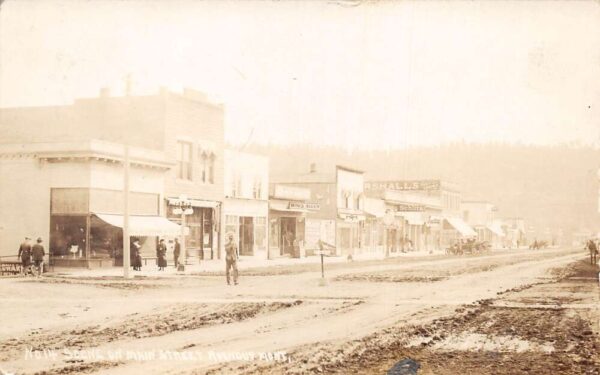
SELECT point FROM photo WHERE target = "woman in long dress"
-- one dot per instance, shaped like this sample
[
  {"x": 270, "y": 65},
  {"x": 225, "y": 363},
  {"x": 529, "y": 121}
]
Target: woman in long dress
[{"x": 161, "y": 255}]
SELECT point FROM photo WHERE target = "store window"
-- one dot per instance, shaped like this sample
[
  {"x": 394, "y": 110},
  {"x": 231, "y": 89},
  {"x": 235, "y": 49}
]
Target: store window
[
  {"x": 232, "y": 223},
  {"x": 274, "y": 233},
  {"x": 184, "y": 160},
  {"x": 260, "y": 240},
  {"x": 207, "y": 168},
  {"x": 257, "y": 189},
  {"x": 347, "y": 198},
  {"x": 203, "y": 167},
  {"x": 211, "y": 169},
  {"x": 68, "y": 236},
  {"x": 236, "y": 185}
]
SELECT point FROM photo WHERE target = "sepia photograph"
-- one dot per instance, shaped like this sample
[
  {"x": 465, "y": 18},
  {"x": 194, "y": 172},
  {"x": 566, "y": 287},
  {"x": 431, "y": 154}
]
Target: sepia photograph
[{"x": 195, "y": 187}]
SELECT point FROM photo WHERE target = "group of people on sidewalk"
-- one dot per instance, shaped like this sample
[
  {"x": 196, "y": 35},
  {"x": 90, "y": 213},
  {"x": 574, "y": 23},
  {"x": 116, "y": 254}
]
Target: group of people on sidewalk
[
  {"x": 161, "y": 254},
  {"x": 32, "y": 255},
  {"x": 231, "y": 257}
]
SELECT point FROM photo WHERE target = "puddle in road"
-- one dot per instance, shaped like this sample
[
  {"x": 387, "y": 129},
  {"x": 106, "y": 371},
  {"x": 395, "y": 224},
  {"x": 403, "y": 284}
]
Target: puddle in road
[{"x": 476, "y": 341}]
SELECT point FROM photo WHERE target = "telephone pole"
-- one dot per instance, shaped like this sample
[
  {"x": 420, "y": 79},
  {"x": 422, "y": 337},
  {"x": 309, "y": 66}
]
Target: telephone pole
[{"x": 126, "y": 248}]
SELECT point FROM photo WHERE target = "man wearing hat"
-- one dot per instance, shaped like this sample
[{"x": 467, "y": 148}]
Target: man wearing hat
[
  {"x": 38, "y": 256},
  {"x": 25, "y": 255},
  {"x": 231, "y": 259}
]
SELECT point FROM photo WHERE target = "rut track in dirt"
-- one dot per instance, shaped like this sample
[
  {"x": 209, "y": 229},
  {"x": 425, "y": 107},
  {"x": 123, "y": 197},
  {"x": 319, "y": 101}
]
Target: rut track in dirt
[
  {"x": 180, "y": 317},
  {"x": 485, "y": 338}
]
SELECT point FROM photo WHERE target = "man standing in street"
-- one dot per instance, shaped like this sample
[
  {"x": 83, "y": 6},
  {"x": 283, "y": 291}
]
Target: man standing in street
[
  {"x": 231, "y": 259},
  {"x": 38, "y": 256},
  {"x": 176, "y": 251},
  {"x": 25, "y": 255}
]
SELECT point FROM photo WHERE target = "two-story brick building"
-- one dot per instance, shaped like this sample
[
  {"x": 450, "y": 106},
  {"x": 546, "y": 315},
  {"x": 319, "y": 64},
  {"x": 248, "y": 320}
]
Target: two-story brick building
[
  {"x": 187, "y": 129},
  {"x": 71, "y": 195}
]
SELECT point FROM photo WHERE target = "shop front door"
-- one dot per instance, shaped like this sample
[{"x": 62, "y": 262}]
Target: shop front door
[
  {"x": 288, "y": 235},
  {"x": 246, "y": 236}
]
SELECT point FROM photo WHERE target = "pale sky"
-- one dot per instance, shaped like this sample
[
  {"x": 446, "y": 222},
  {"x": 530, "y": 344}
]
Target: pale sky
[{"x": 366, "y": 75}]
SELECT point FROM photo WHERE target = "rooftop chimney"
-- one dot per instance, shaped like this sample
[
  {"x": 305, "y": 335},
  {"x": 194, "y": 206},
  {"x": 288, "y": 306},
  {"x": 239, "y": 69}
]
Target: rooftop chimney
[{"x": 313, "y": 167}]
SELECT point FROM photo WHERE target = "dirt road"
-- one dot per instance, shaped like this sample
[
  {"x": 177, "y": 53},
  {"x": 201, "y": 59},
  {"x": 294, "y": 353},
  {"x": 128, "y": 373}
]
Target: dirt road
[{"x": 365, "y": 320}]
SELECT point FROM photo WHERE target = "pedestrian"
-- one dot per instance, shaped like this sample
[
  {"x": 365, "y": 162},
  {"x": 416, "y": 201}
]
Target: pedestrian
[
  {"x": 38, "y": 253},
  {"x": 135, "y": 255},
  {"x": 161, "y": 255},
  {"x": 176, "y": 252},
  {"x": 25, "y": 256},
  {"x": 231, "y": 259}
]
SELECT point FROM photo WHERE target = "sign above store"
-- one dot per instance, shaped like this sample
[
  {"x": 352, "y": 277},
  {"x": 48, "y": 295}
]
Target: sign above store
[
  {"x": 313, "y": 206},
  {"x": 304, "y": 206},
  {"x": 352, "y": 218},
  {"x": 409, "y": 207},
  {"x": 406, "y": 185}
]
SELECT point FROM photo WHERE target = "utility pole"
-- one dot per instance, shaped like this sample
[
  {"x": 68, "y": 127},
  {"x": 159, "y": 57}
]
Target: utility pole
[
  {"x": 126, "y": 249},
  {"x": 183, "y": 208}
]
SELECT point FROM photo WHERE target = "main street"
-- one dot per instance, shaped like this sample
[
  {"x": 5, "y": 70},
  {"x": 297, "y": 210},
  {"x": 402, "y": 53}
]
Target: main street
[{"x": 280, "y": 321}]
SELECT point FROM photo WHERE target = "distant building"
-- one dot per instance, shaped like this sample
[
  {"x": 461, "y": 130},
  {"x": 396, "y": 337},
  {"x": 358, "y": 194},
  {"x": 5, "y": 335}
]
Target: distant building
[
  {"x": 481, "y": 215},
  {"x": 516, "y": 231},
  {"x": 409, "y": 229},
  {"x": 427, "y": 213},
  {"x": 288, "y": 208},
  {"x": 339, "y": 221},
  {"x": 246, "y": 205}
]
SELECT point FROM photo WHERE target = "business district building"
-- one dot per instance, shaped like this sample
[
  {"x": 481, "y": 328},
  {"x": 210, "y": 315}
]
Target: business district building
[
  {"x": 419, "y": 214},
  {"x": 62, "y": 176},
  {"x": 63, "y": 179}
]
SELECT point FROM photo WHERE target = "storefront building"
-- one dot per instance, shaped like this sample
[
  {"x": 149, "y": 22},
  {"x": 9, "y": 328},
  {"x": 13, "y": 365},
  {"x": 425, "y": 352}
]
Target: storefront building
[
  {"x": 246, "y": 205},
  {"x": 378, "y": 222},
  {"x": 186, "y": 127},
  {"x": 288, "y": 208},
  {"x": 427, "y": 214},
  {"x": 71, "y": 195},
  {"x": 481, "y": 216},
  {"x": 410, "y": 229},
  {"x": 334, "y": 209}
]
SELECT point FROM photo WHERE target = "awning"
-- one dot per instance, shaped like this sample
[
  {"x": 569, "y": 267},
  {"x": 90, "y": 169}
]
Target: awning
[
  {"x": 144, "y": 225},
  {"x": 195, "y": 202},
  {"x": 463, "y": 228},
  {"x": 284, "y": 206},
  {"x": 496, "y": 229}
]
